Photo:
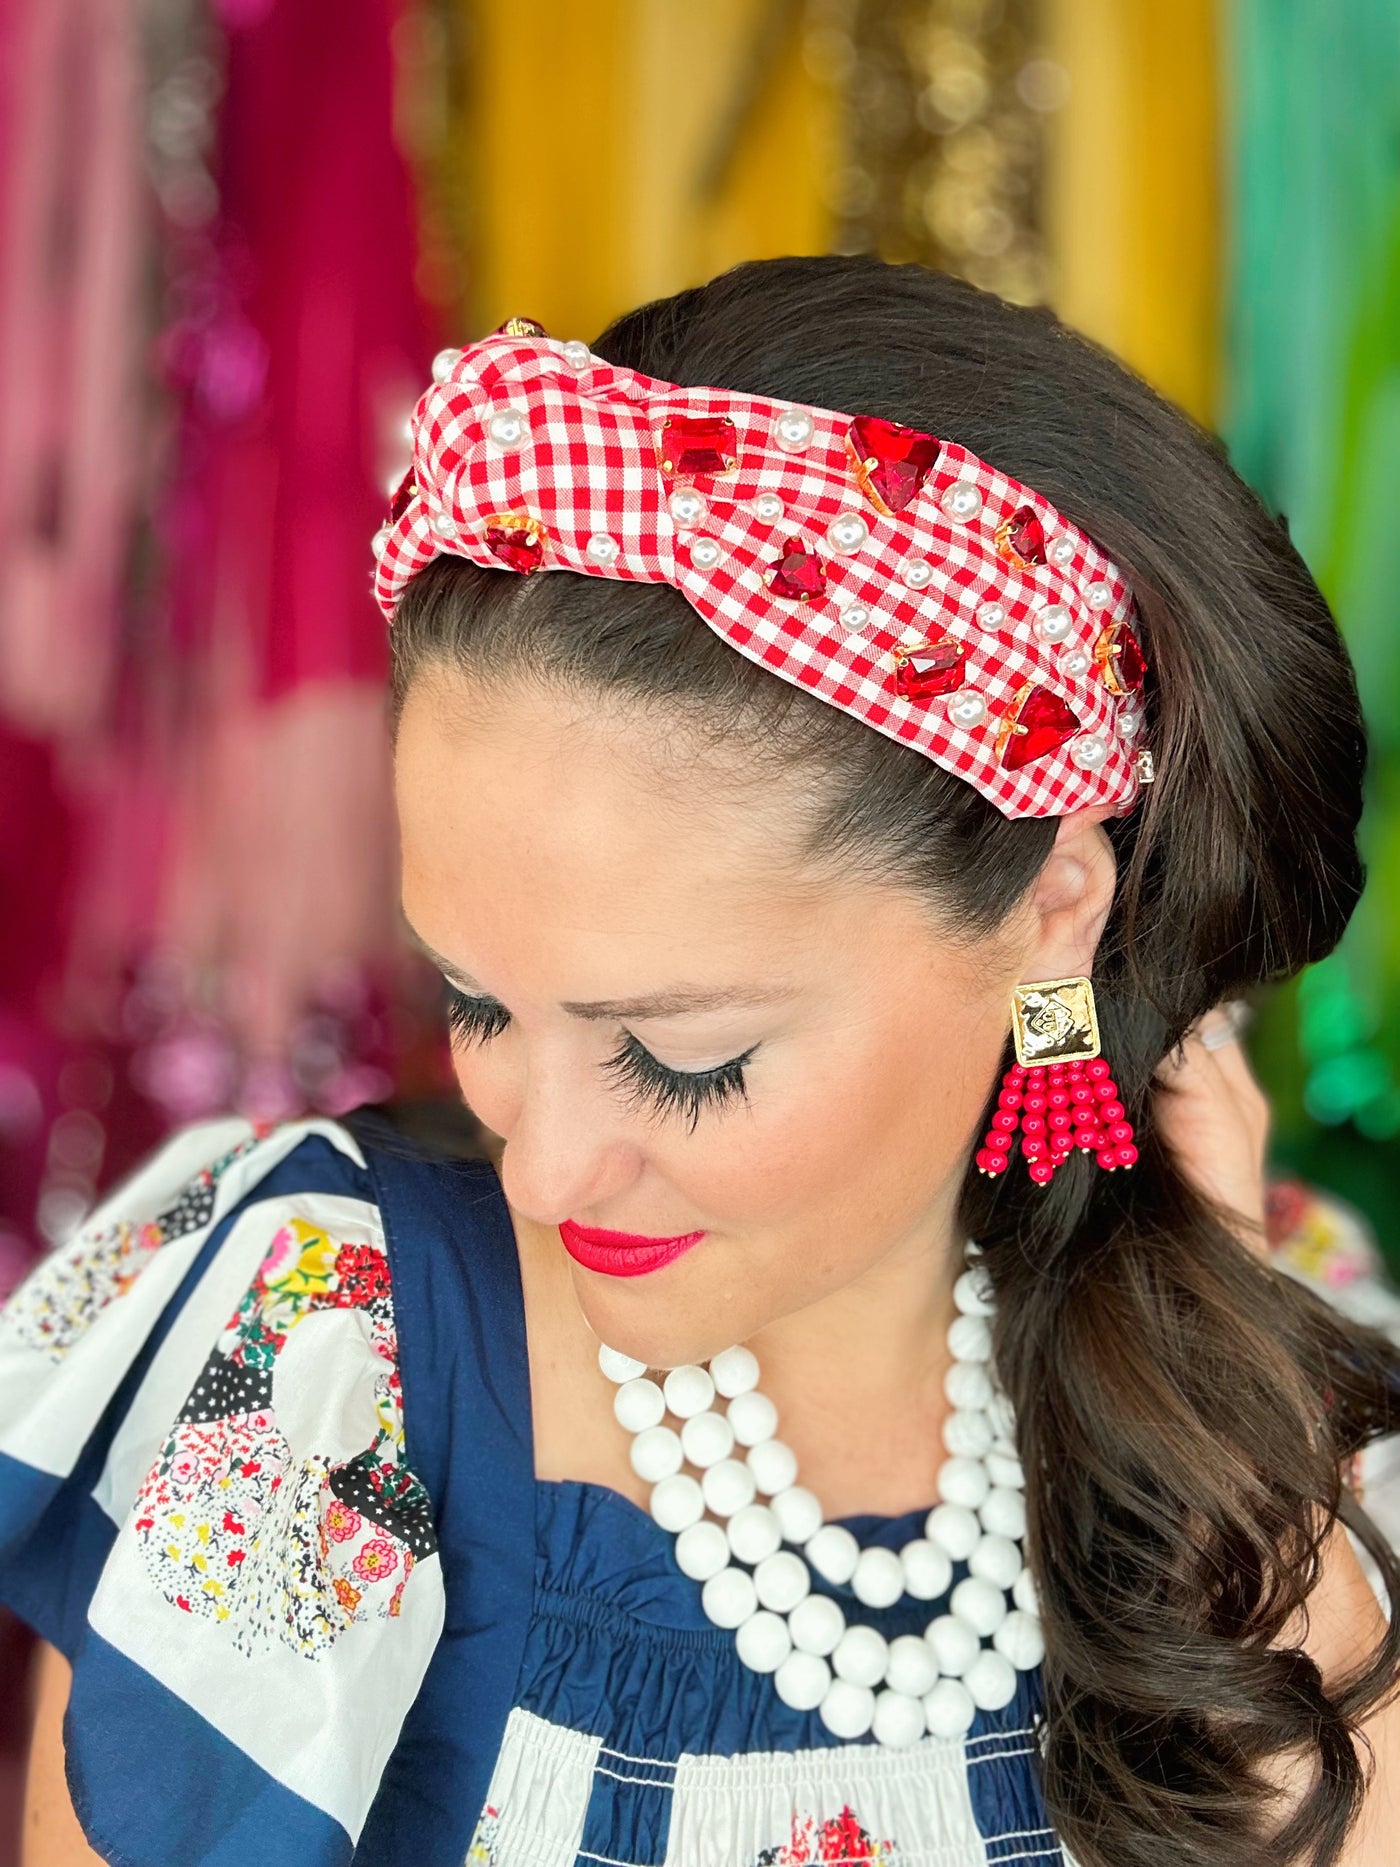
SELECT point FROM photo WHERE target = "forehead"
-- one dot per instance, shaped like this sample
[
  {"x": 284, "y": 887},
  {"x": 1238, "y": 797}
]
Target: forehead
[{"x": 564, "y": 811}]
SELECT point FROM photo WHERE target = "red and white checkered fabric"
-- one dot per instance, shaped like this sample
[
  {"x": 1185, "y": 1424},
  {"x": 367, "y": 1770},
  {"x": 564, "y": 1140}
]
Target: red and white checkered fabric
[{"x": 587, "y": 466}]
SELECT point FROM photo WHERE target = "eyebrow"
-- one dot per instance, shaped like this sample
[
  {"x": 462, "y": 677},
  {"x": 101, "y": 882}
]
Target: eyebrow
[{"x": 674, "y": 1002}]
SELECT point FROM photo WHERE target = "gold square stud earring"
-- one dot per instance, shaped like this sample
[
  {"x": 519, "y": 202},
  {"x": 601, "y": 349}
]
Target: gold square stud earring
[{"x": 1059, "y": 1091}]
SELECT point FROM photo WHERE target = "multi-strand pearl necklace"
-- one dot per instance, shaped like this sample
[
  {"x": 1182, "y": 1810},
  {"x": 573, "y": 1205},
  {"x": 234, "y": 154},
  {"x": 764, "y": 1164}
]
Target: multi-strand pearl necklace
[{"x": 733, "y": 1545}]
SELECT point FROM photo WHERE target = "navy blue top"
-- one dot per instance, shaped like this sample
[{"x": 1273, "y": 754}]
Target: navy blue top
[{"x": 266, "y": 1477}]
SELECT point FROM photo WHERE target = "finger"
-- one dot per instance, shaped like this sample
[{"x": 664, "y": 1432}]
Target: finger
[
  {"x": 1213, "y": 1037},
  {"x": 1232, "y": 1060}
]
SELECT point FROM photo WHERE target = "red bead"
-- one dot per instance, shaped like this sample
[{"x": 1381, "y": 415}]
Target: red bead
[
  {"x": 698, "y": 444},
  {"x": 1034, "y": 1102},
  {"x": 990, "y": 1163},
  {"x": 1058, "y": 1098},
  {"x": 997, "y": 1143},
  {"x": 519, "y": 545},
  {"x": 1120, "y": 1131},
  {"x": 1096, "y": 1068},
  {"x": 1105, "y": 1089},
  {"x": 929, "y": 669},
  {"x": 891, "y": 461},
  {"x": 1111, "y": 1110},
  {"x": 798, "y": 573},
  {"x": 1059, "y": 1118},
  {"x": 1042, "y": 1171},
  {"x": 1007, "y": 1119},
  {"x": 1127, "y": 1154},
  {"x": 1041, "y": 725},
  {"x": 1021, "y": 538},
  {"x": 1009, "y": 1099},
  {"x": 1107, "y": 1157}
]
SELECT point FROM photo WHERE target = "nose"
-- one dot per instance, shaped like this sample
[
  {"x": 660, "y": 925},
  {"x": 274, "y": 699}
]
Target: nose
[{"x": 562, "y": 1155}]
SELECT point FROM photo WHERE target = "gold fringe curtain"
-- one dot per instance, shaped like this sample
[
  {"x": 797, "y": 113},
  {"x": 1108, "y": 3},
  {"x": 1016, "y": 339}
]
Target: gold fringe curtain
[{"x": 604, "y": 152}]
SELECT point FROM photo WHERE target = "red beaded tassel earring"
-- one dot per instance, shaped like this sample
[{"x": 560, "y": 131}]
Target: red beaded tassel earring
[{"x": 1059, "y": 1090}]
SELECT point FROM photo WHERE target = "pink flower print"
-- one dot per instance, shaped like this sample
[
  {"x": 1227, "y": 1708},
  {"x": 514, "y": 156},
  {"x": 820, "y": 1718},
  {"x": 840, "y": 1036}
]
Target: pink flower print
[
  {"x": 283, "y": 1247},
  {"x": 396, "y": 1599},
  {"x": 184, "y": 1468},
  {"x": 262, "y": 1422},
  {"x": 377, "y": 1559},
  {"x": 341, "y": 1521}
]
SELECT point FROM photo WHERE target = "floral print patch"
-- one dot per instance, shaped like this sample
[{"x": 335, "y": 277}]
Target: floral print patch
[
  {"x": 482, "y": 1852},
  {"x": 839, "y": 1839},
  {"x": 284, "y": 1546},
  {"x": 1327, "y": 1238},
  {"x": 65, "y": 1294}
]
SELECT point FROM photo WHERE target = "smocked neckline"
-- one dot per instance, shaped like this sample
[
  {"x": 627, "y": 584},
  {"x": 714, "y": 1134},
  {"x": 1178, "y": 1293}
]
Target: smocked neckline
[{"x": 859, "y": 1523}]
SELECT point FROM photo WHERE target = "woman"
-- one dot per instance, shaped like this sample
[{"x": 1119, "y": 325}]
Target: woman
[{"x": 988, "y": 1501}]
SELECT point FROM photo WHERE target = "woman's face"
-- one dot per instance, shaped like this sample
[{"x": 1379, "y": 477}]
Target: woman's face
[{"x": 552, "y": 860}]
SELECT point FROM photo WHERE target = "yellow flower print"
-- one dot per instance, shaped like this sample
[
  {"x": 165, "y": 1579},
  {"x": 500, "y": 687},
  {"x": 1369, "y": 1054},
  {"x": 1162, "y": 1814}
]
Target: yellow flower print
[{"x": 300, "y": 1261}]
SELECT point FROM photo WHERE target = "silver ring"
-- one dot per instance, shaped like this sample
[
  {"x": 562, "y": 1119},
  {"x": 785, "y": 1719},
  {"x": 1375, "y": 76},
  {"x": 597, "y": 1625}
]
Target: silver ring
[{"x": 1236, "y": 1015}]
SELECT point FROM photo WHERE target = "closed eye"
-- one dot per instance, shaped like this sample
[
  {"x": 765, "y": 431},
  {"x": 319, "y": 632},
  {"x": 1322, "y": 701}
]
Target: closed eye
[{"x": 645, "y": 1081}]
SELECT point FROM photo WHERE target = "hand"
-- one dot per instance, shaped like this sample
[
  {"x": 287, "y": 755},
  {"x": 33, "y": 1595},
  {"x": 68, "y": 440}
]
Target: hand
[{"x": 1216, "y": 1120}]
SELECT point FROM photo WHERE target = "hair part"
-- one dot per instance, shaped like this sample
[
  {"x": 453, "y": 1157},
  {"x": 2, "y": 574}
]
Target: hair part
[{"x": 1183, "y": 1408}]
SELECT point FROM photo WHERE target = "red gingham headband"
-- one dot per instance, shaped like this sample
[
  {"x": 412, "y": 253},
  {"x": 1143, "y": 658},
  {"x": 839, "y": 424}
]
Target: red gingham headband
[{"x": 889, "y": 573}]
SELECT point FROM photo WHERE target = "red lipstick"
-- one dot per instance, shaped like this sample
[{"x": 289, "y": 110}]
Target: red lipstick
[{"x": 621, "y": 1254}]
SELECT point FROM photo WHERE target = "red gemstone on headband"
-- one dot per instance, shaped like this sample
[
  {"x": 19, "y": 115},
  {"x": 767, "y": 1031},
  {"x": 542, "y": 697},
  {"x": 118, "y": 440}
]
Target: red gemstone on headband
[
  {"x": 518, "y": 543},
  {"x": 403, "y": 493},
  {"x": 798, "y": 573},
  {"x": 891, "y": 461},
  {"x": 1021, "y": 538},
  {"x": 930, "y": 668},
  {"x": 1120, "y": 658},
  {"x": 1040, "y": 724},
  {"x": 697, "y": 444}
]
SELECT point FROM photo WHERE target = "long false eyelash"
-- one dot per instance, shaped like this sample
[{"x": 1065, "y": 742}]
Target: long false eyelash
[{"x": 646, "y": 1081}]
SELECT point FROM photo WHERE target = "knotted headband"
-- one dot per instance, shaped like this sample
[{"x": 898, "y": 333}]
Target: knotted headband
[{"x": 888, "y": 572}]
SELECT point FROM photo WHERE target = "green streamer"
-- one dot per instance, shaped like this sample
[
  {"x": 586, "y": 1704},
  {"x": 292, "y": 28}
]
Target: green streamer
[{"x": 1312, "y": 419}]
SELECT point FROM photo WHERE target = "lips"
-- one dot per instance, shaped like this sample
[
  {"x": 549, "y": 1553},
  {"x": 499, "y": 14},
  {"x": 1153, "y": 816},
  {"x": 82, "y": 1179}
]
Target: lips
[{"x": 622, "y": 1254}]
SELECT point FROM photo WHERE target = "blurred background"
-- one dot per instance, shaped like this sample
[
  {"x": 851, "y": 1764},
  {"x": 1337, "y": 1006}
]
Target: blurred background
[{"x": 233, "y": 233}]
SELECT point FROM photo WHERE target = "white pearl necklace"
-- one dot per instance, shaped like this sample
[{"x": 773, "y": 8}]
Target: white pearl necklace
[{"x": 852, "y": 1676}]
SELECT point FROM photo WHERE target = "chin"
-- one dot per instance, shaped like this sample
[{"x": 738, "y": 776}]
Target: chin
[{"x": 640, "y": 1323}]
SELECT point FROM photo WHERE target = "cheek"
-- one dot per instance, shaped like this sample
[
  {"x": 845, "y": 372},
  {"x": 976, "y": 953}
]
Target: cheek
[{"x": 874, "y": 1116}]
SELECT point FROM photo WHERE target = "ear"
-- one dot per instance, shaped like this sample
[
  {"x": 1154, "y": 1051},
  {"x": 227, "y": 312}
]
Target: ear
[{"x": 1072, "y": 897}]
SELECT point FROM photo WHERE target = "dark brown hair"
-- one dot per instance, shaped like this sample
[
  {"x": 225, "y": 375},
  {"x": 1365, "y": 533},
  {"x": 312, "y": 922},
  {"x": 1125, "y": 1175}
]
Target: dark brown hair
[{"x": 1183, "y": 1408}]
